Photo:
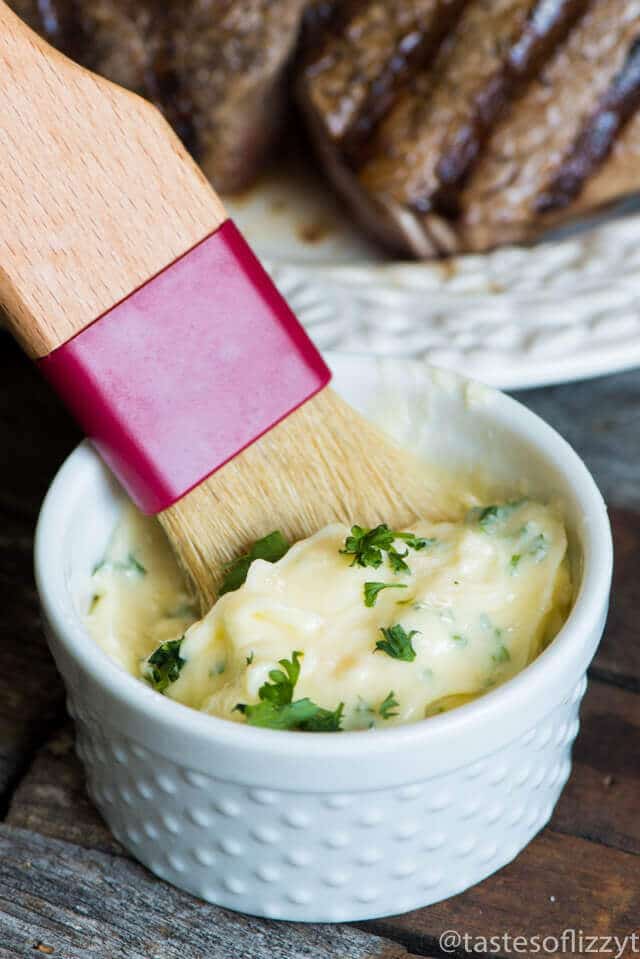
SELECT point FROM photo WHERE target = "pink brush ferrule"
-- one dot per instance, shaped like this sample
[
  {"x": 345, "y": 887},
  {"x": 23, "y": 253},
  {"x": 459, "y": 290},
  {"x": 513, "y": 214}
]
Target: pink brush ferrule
[{"x": 186, "y": 372}]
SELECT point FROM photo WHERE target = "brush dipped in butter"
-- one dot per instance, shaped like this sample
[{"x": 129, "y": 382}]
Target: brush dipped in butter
[{"x": 348, "y": 629}]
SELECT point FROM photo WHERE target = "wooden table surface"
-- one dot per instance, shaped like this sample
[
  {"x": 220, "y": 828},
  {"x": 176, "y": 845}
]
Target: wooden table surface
[{"x": 68, "y": 889}]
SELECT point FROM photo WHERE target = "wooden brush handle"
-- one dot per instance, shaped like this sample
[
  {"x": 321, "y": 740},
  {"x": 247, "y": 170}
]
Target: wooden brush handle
[{"x": 97, "y": 194}]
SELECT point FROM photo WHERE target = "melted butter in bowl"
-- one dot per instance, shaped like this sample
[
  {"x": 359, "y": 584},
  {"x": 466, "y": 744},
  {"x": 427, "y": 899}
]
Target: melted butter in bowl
[{"x": 319, "y": 641}]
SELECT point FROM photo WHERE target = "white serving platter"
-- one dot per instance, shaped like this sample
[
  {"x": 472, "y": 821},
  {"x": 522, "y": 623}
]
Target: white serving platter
[{"x": 565, "y": 309}]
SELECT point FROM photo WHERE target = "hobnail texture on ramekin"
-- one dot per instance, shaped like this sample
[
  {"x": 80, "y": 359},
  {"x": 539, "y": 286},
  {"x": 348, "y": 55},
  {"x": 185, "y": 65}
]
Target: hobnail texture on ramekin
[{"x": 326, "y": 856}]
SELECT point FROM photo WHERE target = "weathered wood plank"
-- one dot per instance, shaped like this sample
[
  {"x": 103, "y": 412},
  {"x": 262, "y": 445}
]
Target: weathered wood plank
[
  {"x": 52, "y": 799},
  {"x": 600, "y": 418},
  {"x": 31, "y": 695},
  {"x": 35, "y": 432},
  {"x": 87, "y": 905},
  {"x": 618, "y": 658},
  {"x": 600, "y": 801},
  {"x": 35, "y": 435},
  {"x": 559, "y": 882}
]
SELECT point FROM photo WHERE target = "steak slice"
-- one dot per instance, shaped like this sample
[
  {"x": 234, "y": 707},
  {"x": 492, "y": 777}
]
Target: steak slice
[
  {"x": 547, "y": 23},
  {"x": 617, "y": 177},
  {"x": 361, "y": 59},
  {"x": 539, "y": 158},
  {"x": 230, "y": 60},
  {"x": 427, "y": 145},
  {"x": 215, "y": 67},
  {"x": 120, "y": 40},
  {"x": 595, "y": 142}
]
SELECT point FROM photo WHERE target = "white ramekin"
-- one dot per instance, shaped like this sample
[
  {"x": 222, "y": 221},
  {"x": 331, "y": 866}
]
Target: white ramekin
[{"x": 338, "y": 826}]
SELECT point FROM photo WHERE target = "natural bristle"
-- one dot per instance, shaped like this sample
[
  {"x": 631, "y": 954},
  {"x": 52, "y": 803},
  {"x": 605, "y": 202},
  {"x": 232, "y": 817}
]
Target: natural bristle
[{"x": 322, "y": 464}]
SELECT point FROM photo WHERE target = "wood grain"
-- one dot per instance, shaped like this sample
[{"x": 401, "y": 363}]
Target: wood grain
[
  {"x": 97, "y": 193},
  {"x": 618, "y": 658},
  {"x": 31, "y": 695},
  {"x": 52, "y": 800},
  {"x": 88, "y": 905},
  {"x": 558, "y": 882},
  {"x": 601, "y": 800},
  {"x": 600, "y": 419}
]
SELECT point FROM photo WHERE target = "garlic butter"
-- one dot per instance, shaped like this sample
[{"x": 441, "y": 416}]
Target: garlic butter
[{"x": 335, "y": 634}]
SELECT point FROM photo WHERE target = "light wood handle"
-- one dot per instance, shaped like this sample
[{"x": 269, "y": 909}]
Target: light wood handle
[{"x": 97, "y": 194}]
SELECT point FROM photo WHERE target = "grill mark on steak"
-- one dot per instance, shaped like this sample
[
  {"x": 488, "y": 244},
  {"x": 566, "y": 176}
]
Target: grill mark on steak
[
  {"x": 441, "y": 104},
  {"x": 416, "y": 47},
  {"x": 617, "y": 177},
  {"x": 595, "y": 141},
  {"x": 368, "y": 52},
  {"x": 547, "y": 24},
  {"x": 527, "y": 148}
]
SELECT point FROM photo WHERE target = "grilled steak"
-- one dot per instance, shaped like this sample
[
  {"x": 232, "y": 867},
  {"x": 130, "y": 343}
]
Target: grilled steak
[
  {"x": 410, "y": 143},
  {"x": 539, "y": 158},
  {"x": 231, "y": 70},
  {"x": 215, "y": 67},
  {"x": 616, "y": 178},
  {"x": 594, "y": 143},
  {"x": 423, "y": 147},
  {"x": 523, "y": 117},
  {"x": 365, "y": 55}
]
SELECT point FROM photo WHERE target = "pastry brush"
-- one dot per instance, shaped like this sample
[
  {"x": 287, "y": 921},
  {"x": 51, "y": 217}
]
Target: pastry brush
[{"x": 144, "y": 307}]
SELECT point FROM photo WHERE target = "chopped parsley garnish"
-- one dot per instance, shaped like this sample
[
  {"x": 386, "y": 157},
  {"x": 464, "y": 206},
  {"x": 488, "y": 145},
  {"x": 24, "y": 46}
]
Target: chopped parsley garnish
[
  {"x": 491, "y": 518},
  {"x": 302, "y": 715},
  {"x": 397, "y": 643},
  {"x": 367, "y": 546},
  {"x": 501, "y": 655},
  {"x": 135, "y": 565},
  {"x": 460, "y": 640},
  {"x": 387, "y": 706},
  {"x": 283, "y": 681},
  {"x": 129, "y": 565},
  {"x": 324, "y": 720},
  {"x": 396, "y": 561},
  {"x": 371, "y": 591},
  {"x": 417, "y": 542},
  {"x": 537, "y": 548},
  {"x": 362, "y": 716},
  {"x": 95, "y": 599},
  {"x": 270, "y": 548},
  {"x": 277, "y": 710},
  {"x": 164, "y": 664},
  {"x": 250, "y": 658}
]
